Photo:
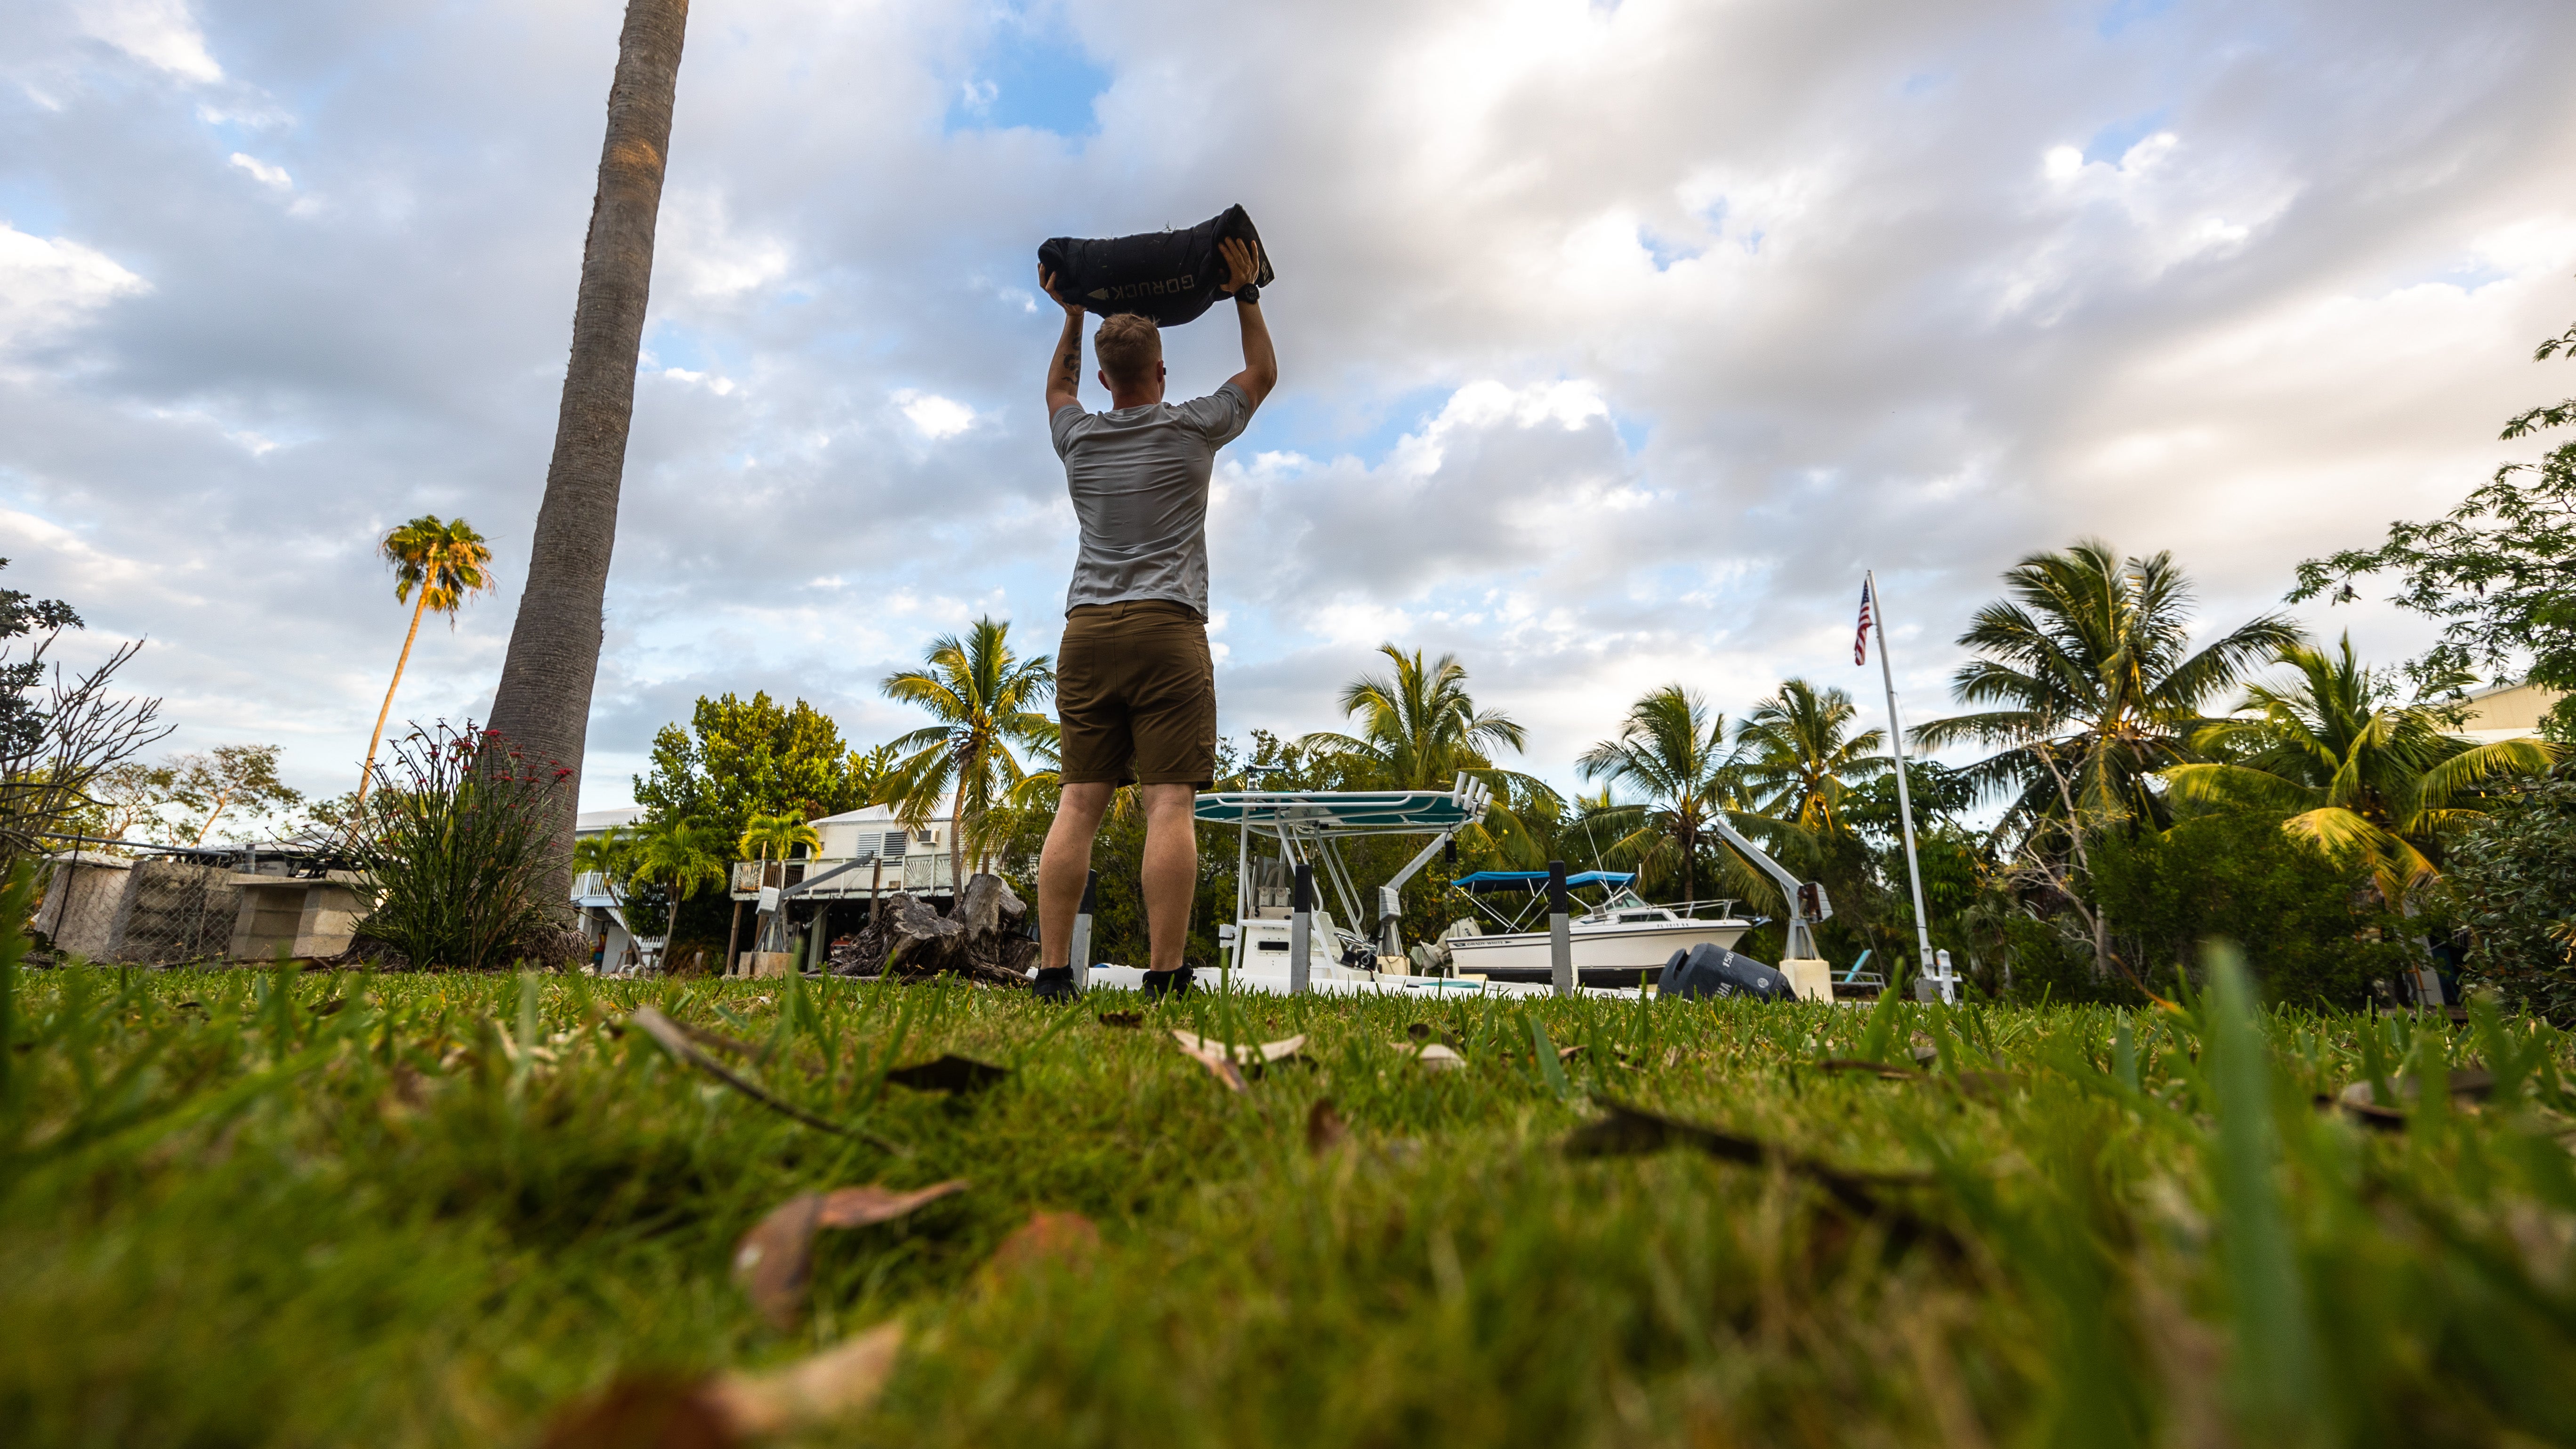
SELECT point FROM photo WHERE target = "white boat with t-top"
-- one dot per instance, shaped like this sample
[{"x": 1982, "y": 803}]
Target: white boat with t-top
[{"x": 1619, "y": 940}]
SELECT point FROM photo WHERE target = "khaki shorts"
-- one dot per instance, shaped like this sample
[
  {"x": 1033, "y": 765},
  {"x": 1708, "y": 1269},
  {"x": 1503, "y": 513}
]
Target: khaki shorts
[{"x": 1136, "y": 693}]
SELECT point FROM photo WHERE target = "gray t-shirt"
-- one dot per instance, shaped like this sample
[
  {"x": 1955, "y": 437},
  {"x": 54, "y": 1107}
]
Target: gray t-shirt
[{"x": 1139, "y": 478}]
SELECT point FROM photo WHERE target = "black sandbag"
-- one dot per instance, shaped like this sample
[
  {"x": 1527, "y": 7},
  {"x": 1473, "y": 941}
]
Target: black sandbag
[
  {"x": 1708, "y": 970},
  {"x": 1170, "y": 276}
]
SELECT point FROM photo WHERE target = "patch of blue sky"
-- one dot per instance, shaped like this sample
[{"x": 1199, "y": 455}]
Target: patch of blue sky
[
  {"x": 674, "y": 345},
  {"x": 1032, "y": 73},
  {"x": 1924, "y": 82},
  {"x": 1665, "y": 251},
  {"x": 29, "y": 204},
  {"x": 1633, "y": 431},
  {"x": 2117, "y": 17},
  {"x": 1291, "y": 422},
  {"x": 2114, "y": 140}
]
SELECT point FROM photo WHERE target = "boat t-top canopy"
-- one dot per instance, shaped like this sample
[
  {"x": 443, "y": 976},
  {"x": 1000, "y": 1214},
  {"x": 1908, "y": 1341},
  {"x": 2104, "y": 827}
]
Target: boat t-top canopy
[
  {"x": 1334, "y": 814},
  {"x": 1487, "y": 882}
]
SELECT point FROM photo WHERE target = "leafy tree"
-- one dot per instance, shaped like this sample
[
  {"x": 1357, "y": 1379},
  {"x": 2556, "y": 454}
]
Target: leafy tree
[
  {"x": 739, "y": 758},
  {"x": 2305, "y": 921},
  {"x": 2499, "y": 570},
  {"x": 1798, "y": 748},
  {"x": 1420, "y": 729},
  {"x": 2512, "y": 883},
  {"x": 987, "y": 702},
  {"x": 2093, "y": 686},
  {"x": 1937, "y": 793},
  {"x": 1671, "y": 749},
  {"x": 445, "y": 562},
  {"x": 680, "y": 856},
  {"x": 235, "y": 779},
  {"x": 2362, "y": 777},
  {"x": 58, "y": 733}
]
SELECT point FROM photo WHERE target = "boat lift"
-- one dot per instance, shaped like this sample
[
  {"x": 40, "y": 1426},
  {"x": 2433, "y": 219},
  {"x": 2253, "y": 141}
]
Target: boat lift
[{"x": 1309, "y": 826}]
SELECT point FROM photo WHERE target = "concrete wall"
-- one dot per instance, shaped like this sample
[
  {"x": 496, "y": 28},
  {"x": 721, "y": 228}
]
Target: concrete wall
[
  {"x": 299, "y": 917},
  {"x": 176, "y": 911},
  {"x": 83, "y": 898}
]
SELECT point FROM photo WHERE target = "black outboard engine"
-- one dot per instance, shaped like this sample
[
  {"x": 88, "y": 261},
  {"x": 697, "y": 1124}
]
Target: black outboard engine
[{"x": 1707, "y": 970}]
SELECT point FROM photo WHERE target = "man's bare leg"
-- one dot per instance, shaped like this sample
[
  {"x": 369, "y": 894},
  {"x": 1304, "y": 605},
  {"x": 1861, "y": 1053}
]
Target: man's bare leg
[
  {"x": 1171, "y": 870},
  {"x": 1065, "y": 864}
]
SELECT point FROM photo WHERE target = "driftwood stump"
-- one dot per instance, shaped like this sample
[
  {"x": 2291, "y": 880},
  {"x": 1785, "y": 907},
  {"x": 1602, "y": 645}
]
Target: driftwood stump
[{"x": 984, "y": 939}]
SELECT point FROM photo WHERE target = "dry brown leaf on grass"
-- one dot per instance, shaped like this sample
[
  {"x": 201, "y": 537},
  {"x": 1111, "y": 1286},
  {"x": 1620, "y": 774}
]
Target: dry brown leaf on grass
[
  {"x": 675, "y": 1041},
  {"x": 775, "y": 1259},
  {"x": 2360, "y": 1101},
  {"x": 733, "y": 1408},
  {"x": 1067, "y": 1238},
  {"x": 1431, "y": 1056},
  {"x": 1325, "y": 1129},
  {"x": 949, "y": 1072},
  {"x": 1241, "y": 1063},
  {"x": 1122, "y": 1018}
]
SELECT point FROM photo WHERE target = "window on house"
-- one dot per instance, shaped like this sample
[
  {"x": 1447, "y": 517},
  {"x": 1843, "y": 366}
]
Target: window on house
[{"x": 894, "y": 842}]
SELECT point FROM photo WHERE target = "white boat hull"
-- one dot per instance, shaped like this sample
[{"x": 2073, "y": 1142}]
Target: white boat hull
[
  {"x": 1269, "y": 980},
  {"x": 1607, "y": 946}
]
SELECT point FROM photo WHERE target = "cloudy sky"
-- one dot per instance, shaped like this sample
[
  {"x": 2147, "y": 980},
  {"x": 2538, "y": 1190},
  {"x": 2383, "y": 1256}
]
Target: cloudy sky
[{"x": 1617, "y": 339}]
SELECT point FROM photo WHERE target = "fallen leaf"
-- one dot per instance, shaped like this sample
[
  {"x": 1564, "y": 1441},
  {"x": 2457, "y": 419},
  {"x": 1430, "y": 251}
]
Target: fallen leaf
[
  {"x": 1419, "y": 1031},
  {"x": 675, "y": 1041},
  {"x": 1325, "y": 1129},
  {"x": 1567, "y": 1054},
  {"x": 1045, "y": 1238},
  {"x": 644, "y": 1412},
  {"x": 1216, "y": 1062},
  {"x": 834, "y": 1384},
  {"x": 859, "y": 1207},
  {"x": 1432, "y": 1056},
  {"x": 1122, "y": 1018},
  {"x": 774, "y": 1261},
  {"x": 733, "y": 1408},
  {"x": 329, "y": 1008},
  {"x": 1247, "y": 1055},
  {"x": 949, "y": 1073}
]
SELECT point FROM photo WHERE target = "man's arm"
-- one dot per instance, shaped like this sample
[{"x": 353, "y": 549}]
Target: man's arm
[
  {"x": 1260, "y": 363},
  {"x": 1064, "y": 364}
]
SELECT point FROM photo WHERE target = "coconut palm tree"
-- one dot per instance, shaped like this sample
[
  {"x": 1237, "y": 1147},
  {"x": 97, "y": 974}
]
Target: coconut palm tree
[
  {"x": 680, "y": 855},
  {"x": 1420, "y": 730},
  {"x": 2092, "y": 685},
  {"x": 782, "y": 832},
  {"x": 446, "y": 562},
  {"x": 543, "y": 704},
  {"x": 2362, "y": 777},
  {"x": 1797, "y": 749},
  {"x": 987, "y": 701},
  {"x": 608, "y": 854},
  {"x": 1672, "y": 750}
]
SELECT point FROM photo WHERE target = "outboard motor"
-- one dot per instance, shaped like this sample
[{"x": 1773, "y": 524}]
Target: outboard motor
[{"x": 1707, "y": 970}]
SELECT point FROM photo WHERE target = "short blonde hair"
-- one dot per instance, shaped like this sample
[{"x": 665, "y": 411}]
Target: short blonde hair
[{"x": 1129, "y": 345}]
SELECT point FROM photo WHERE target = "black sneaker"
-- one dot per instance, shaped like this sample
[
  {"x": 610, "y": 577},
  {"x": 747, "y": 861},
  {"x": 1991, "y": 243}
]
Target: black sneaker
[
  {"x": 1055, "y": 983},
  {"x": 1159, "y": 984}
]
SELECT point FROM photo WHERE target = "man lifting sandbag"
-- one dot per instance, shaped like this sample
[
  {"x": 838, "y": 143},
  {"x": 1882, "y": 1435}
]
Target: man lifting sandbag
[{"x": 1135, "y": 687}]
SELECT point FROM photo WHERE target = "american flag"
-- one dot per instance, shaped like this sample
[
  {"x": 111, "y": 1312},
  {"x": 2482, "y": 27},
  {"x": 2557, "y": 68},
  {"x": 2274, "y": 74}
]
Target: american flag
[{"x": 1860, "y": 636}]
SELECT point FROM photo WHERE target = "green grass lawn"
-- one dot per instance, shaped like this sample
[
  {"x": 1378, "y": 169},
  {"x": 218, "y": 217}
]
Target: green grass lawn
[{"x": 253, "y": 1208}]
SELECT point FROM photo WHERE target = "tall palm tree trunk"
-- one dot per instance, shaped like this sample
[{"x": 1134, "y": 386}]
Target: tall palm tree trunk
[
  {"x": 543, "y": 704},
  {"x": 367, "y": 771}
]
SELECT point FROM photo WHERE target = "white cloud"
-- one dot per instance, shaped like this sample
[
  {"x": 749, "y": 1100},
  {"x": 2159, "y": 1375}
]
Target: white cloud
[
  {"x": 936, "y": 416},
  {"x": 50, "y": 283},
  {"x": 160, "y": 33},
  {"x": 265, "y": 174}
]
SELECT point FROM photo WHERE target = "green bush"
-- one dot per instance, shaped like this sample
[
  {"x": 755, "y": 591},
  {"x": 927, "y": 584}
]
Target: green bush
[
  {"x": 2309, "y": 930},
  {"x": 456, "y": 842},
  {"x": 2511, "y": 879}
]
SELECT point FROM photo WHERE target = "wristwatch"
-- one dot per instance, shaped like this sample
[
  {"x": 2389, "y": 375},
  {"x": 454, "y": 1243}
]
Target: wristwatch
[{"x": 1248, "y": 293}]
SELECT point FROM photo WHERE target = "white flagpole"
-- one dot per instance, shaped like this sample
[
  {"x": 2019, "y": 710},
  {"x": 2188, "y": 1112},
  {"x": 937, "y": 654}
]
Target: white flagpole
[{"x": 1904, "y": 800}]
